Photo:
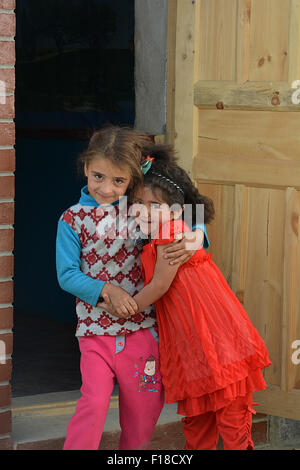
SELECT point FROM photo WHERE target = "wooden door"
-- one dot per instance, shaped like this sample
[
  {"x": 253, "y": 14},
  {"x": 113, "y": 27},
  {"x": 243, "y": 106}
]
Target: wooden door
[{"x": 233, "y": 114}]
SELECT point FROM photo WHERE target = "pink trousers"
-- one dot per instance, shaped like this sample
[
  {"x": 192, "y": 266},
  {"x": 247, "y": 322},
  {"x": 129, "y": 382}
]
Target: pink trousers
[{"x": 132, "y": 360}]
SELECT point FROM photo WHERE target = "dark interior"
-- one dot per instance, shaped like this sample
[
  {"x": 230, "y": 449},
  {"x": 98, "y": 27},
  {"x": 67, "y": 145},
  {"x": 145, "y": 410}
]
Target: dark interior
[{"x": 74, "y": 73}]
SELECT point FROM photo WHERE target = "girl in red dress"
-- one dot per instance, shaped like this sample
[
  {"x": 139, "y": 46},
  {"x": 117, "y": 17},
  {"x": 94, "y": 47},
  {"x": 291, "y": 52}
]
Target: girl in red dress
[{"x": 211, "y": 355}]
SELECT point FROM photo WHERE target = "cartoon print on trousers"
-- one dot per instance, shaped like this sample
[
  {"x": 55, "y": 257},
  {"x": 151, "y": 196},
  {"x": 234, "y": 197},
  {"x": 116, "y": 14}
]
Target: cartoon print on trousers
[{"x": 149, "y": 379}]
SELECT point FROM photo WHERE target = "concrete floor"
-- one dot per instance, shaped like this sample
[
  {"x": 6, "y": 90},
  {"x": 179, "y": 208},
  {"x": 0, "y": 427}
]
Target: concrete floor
[{"x": 44, "y": 417}]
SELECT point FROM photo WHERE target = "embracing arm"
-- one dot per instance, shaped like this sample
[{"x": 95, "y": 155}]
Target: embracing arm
[
  {"x": 186, "y": 244},
  {"x": 163, "y": 277}
]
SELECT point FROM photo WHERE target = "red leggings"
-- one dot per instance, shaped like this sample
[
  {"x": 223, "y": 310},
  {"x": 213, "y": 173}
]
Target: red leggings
[{"x": 233, "y": 422}]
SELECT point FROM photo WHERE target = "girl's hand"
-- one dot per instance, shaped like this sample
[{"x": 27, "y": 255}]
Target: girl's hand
[
  {"x": 117, "y": 301},
  {"x": 184, "y": 246},
  {"x": 107, "y": 305}
]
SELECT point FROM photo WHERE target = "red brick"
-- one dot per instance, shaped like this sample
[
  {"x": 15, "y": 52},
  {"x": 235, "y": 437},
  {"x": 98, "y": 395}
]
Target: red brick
[
  {"x": 5, "y": 396},
  {"x": 8, "y": 77},
  {"x": 7, "y": 4},
  {"x": 7, "y": 52},
  {"x": 7, "y": 24},
  {"x": 6, "y": 318},
  {"x": 7, "y": 186},
  {"x": 5, "y": 422},
  {"x": 5, "y": 371},
  {"x": 7, "y": 338},
  {"x": 6, "y": 292},
  {"x": 6, "y": 266},
  {"x": 7, "y": 160},
  {"x": 7, "y": 131},
  {"x": 6, "y": 443},
  {"x": 6, "y": 239},
  {"x": 260, "y": 432},
  {"x": 7, "y": 109},
  {"x": 7, "y": 213}
]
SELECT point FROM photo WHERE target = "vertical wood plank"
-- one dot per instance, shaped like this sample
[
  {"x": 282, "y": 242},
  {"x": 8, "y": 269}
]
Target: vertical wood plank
[
  {"x": 243, "y": 41},
  {"x": 185, "y": 112},
  {"x": 269, "y": 40},
  {"x": 220, "y": 230},
  {"x": 217, "y": 31},
  {"x": 264, "y": 277},
  {"x": 291, "y": 279},
  {"x": 270, "y": 311},
  {"x": 171, "y": 52},
  {"x": 294, "y": 41},
  {"x": 240, "y": 241}
]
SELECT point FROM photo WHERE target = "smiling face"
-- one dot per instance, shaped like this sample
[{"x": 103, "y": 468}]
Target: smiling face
[
  {"x": 151, "y": 210},
  {"x": 106, "y": 182}
]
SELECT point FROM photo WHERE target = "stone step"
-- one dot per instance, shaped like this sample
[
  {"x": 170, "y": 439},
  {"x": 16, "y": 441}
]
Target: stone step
[{"x": 40, "y": 423}]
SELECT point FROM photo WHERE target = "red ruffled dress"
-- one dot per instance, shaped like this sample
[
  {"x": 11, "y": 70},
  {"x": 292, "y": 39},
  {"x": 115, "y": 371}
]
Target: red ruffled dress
[{"x": 210, "y": 353}]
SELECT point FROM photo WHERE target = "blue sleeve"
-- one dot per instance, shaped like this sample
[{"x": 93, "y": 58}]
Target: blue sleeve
[
  {"x": 206, "y": 239},
  {"x": 69, "y": 275}
]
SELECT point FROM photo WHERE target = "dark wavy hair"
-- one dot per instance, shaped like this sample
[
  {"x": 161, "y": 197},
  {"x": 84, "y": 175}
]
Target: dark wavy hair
[{"x": 174, "y": 183}]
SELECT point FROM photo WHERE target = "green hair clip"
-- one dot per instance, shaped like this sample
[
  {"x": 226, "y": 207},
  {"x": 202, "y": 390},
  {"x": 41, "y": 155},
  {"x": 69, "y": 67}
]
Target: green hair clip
[{"x": 146, "y": 164}]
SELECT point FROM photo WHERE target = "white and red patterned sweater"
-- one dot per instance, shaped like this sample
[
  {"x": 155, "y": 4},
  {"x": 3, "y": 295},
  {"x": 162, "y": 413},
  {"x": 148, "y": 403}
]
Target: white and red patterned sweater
[{"x": 91, "y": 250}]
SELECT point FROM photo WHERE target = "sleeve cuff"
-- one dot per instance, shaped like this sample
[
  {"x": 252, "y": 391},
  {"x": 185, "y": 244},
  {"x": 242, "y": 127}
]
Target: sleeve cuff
[{"x": 206, "y": 239}]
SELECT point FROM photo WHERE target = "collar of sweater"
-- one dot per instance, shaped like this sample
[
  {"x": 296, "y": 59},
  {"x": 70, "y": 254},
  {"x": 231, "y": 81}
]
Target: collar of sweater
[{"x": 87, "y": 200}]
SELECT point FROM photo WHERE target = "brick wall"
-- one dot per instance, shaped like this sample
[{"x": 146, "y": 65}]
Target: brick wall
[{"x": 7, "y": 167}]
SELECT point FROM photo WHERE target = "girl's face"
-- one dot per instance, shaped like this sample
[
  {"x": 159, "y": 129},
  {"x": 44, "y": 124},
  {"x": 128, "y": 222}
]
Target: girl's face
[
  {"x": 151, "y": 210},
  {"x": 106, "y": 181}
]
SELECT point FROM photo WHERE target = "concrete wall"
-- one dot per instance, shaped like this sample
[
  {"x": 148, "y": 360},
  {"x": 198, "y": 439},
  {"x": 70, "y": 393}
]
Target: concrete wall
[{"x": 150, "y": 65}]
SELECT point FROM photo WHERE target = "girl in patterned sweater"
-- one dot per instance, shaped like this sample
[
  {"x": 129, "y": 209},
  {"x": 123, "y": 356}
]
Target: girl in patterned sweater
[{"x": 97, "y": 255}]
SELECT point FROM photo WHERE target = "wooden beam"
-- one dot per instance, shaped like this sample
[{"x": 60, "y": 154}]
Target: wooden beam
[
  {"x": 251, "y": 96},
  {"x": 278, "y": 403}
]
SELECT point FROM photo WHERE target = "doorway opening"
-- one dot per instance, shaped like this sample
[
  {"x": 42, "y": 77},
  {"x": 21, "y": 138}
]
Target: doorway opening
[{"x": 74, "y": 73}]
